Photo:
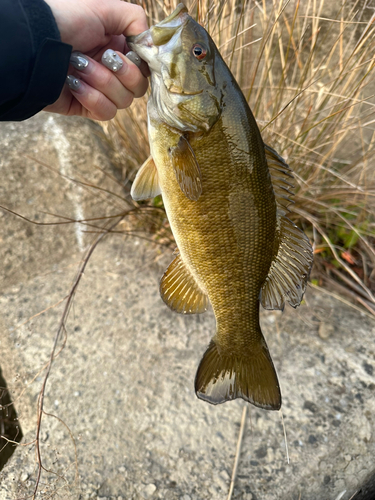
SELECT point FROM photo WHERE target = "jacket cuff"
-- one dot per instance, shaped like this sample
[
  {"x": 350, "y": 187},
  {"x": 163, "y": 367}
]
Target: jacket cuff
[
  {"x": 42, "y": 60},
  {"x": 41, "y": 21},
  {"x": 46, "y": 83}
]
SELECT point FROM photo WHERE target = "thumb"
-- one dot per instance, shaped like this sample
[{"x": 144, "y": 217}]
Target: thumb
[{"x": 122, "y": 18}]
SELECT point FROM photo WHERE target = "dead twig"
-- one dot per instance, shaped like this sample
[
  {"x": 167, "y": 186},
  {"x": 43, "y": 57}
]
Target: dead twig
[
  {"x": 61, "y": 328},
  {"x": 238, "y": 452}
]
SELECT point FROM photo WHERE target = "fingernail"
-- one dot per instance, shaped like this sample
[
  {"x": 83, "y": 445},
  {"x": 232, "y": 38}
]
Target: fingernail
[
  {"x": 73, "y": 82},
  {"x": 112, "y": 60},
  {"x": 134, "y": 58},
  {"x": 78, "y": 60}
]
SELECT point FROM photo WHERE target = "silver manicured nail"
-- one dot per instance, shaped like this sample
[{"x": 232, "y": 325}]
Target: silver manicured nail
[
  {"x": 112, "y": 60},
  {"x": 134, "y": 58},
  {"x": 73, "y": 82},
  {"x": 78, "y": 60}
]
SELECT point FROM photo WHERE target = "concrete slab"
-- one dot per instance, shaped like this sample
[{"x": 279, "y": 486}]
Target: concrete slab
[{"x": 122, "y": 387}]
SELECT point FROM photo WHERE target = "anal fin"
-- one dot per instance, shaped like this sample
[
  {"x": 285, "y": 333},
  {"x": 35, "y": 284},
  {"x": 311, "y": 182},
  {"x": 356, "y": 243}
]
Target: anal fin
[
  {"x": 146, "y": 183},
  {"x": 290, "y": 269},
  {"x": 180, "y": 291}
]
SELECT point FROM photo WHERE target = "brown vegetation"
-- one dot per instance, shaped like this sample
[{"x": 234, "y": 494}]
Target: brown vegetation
[{"x": 307, "y": 72}]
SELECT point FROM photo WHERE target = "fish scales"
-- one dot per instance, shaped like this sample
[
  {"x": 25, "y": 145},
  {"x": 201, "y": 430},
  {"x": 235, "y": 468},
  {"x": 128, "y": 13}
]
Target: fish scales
[
  {"x": 231, "y": 278},
  {"x": 235, "y": 243}
]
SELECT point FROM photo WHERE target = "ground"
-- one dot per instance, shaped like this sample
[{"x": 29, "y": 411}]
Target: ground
[{"x": 121, "y": 390}]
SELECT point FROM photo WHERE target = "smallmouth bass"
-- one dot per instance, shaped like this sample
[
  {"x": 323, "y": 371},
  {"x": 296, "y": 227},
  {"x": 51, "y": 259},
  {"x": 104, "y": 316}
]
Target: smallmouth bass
[{"x": 226, "y": 196}]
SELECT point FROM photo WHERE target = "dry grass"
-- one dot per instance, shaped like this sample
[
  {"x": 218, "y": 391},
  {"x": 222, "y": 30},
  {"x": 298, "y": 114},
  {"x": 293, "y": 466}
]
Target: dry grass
[{"x": 307, "y": 70}]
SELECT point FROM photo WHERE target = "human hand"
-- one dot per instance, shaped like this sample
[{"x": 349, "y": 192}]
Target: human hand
[{"x": 95, "y": 27}]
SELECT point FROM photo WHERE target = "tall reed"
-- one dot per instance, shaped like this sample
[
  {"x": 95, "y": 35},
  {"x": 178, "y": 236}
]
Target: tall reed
[{"x": 307, "y": 71}]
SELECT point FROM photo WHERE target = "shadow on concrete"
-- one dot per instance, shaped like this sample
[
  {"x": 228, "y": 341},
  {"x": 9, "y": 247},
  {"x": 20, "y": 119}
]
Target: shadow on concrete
[{"x": 9, "y": 426}]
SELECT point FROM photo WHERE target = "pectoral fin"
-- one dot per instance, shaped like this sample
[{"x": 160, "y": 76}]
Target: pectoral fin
[
  {"x": 289, "y": 270},
  {"x": 187, "y": 170},
  {"x": 180, "y": 291},
  {"x": 146, "y": 183}
]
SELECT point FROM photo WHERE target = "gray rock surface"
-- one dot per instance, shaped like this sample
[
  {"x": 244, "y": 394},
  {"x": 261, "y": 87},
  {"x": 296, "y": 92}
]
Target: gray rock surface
[{"x": 122, "y": 387}]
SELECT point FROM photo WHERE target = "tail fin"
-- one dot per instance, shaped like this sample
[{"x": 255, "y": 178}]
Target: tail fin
[{"x": 221, "y": 377}]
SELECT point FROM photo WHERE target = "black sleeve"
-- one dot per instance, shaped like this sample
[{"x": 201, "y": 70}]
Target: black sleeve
[{"x": 33, "y": 60}]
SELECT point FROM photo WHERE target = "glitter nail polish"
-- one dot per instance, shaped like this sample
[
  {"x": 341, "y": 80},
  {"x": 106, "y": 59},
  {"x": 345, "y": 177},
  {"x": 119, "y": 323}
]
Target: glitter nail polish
[
  {"x": 134, "y": 58},
  {"x": 73, "y": 82},
  {"x": 112, "y": 60},
  {"x": 78, "y": 61}
]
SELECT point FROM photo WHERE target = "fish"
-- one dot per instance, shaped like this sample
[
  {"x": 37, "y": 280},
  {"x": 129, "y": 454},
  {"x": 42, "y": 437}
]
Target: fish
[{"x": 226, "y": 195}]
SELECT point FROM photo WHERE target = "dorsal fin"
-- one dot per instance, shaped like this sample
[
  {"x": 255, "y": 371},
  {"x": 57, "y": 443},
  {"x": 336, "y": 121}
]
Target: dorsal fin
[
  {"x": 281, "y": 177},
  {"x": 180, "y": 291},
  {"x": 290, "y": 269}
]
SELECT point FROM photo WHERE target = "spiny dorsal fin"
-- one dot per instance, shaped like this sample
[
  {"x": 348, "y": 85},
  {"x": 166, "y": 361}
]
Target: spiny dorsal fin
[
  {"x": 223, "y": 376},
  {"x": 281, "y": 176},
  {"x": 187, "y": 170},
  {"x": 180, "y": 291},
  {"x": 146, "y": 182},
  {"x": 289, "y": 271}
]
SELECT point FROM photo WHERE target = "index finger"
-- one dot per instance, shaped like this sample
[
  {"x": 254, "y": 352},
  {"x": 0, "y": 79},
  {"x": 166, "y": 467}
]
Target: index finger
[{"x": 122, "y": 18}]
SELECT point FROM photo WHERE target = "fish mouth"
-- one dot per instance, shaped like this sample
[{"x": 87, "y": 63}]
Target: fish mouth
[{"x": 146, "y": 44}]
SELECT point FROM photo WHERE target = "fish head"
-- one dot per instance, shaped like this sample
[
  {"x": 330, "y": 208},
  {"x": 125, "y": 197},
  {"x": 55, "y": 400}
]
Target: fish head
[{"x": 181, "y": 57}]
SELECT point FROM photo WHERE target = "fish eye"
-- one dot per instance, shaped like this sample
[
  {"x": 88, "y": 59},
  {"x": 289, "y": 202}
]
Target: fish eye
[{"x": 199, "y": 51}]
